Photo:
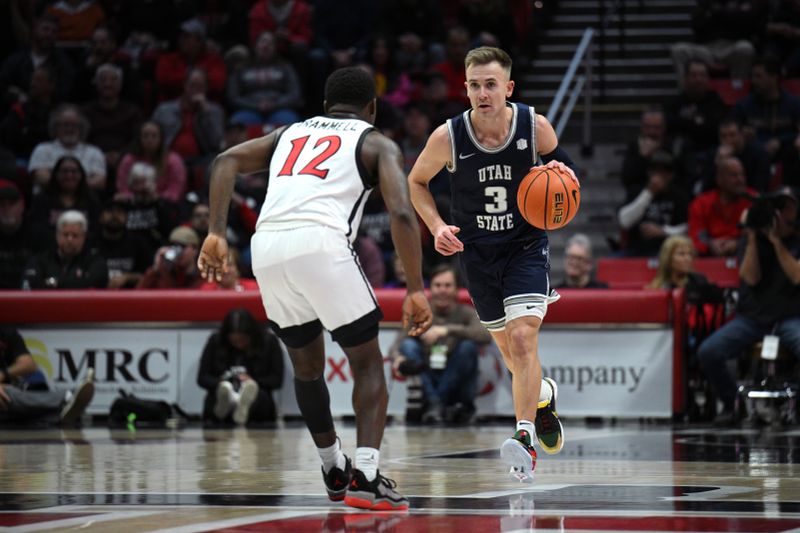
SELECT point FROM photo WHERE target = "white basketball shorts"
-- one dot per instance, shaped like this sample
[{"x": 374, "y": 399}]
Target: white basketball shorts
[{"x": 310, "y": 273}]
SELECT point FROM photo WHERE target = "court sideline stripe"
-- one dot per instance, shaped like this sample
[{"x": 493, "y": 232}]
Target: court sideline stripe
[{"x": 233, "y": 522}]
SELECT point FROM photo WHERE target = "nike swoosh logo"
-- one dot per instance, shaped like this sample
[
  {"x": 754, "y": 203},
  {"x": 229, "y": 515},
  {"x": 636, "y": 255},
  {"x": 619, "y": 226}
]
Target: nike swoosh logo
[
  {"x": 530, "y": 306},
  {"x": 525, "y": 247},
  {"x": 462, "y": 156},
  {"x": 574, "y": 196}
]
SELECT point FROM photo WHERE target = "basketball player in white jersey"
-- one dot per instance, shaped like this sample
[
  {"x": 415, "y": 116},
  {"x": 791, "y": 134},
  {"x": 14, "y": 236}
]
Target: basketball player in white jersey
[
  {"x": 488, "y": 149},
  {"x": 321, "y": 171}
]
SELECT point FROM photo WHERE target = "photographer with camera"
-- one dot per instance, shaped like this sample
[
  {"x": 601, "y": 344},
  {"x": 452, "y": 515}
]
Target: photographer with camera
[
  {"x": 769, "y": 295},
  {"x": 241, "y": 366},
  {"x": 175, "y": 265}
]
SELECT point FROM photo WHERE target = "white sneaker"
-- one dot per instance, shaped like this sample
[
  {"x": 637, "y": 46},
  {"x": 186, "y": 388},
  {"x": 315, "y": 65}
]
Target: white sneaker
[
  {"x": 519, "y": 455},
  {"x": 247, "y": 395},
  {"x": 226, "y": 400},
  {"x": 77, "y": 401}
]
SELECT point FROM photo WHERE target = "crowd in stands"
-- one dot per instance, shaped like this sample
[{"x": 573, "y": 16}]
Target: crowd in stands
[
  {"x": 114, "y": 110},
  {"x": 105, "y": 102},
  {"x": 111, "y": 112},
  {"x": 730, "y": 134}
]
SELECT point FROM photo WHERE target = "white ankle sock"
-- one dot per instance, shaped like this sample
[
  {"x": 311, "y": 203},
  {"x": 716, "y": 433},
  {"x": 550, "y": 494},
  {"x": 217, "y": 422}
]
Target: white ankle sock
[
  {"x": 367, "y": 461},
  {"x": 332, "y": 456},
  {"x": 527, "y": 425},
  {"x": 545, "y": 392}
]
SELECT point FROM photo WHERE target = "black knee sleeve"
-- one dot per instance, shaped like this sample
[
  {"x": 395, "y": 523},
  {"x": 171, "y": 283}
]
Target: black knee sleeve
[
  {"x": 315, "y": 404},
  {"x": 362, "y": 330},
  {"x": 297, "y": 336}
]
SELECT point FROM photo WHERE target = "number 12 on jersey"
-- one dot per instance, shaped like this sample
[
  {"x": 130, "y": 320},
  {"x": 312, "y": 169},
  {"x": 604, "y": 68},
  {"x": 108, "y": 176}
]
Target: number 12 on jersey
[{"x": 312, "y": 167}]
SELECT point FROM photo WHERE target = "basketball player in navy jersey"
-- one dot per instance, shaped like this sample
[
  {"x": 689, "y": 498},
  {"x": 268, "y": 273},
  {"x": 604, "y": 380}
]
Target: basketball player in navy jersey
[
  {"x": 488, "y": 150},
  {"x": 321, "y": 171}
]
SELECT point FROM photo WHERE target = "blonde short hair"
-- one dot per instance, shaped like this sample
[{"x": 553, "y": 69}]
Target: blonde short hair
[{"x": 484, "y": 55}]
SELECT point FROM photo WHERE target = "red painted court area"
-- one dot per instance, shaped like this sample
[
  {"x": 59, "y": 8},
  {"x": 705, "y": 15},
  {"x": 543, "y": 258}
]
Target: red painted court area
[
  {"x": 22, "y": 519},
  {"x": 399, "y": 523}
]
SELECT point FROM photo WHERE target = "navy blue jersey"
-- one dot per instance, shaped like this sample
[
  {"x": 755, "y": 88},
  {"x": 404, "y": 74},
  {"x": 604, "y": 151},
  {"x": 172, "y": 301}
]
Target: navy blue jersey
[{"x": 484, "y": 181}]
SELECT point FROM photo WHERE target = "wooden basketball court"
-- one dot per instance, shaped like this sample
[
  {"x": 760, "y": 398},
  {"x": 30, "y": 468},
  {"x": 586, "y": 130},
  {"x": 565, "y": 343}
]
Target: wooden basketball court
[{"x": 625, "y": 477}]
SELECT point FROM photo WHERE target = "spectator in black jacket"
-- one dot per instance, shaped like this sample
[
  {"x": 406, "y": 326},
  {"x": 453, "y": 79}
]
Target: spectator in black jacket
[
  {"x": 17, "y": 69},
  {"x": 16, "y": 242},
  {"x": 693, "y": 115},
  {"x": 652, "y": 138},
  {"x": 70, "y": 265},
  {"x": 21, "y": 402},
  {"x": 769, "y": 113},
  {"x": 241, "y": 365},
  {"x": 658, "y": 210},
  {"x": 127, "y": 255},
  {"x": 733, "y": 143},
  {"x": 26, "y": 124},
  {"x": 67, "y": 190}
]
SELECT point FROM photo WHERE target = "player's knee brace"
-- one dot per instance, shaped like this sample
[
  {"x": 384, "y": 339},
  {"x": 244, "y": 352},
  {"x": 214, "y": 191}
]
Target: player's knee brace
[
  {"x": 314, "y": 403},
  {"x": 518, "y": 310},
  {"x": 529, "y": 305}
]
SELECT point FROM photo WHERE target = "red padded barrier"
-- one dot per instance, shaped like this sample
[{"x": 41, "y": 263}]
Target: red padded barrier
[
  {"x": 575, "y": 307},
  {"x": 678, "y": 301},
  {"x": 637, "y": 272},
  {"x": 25, "y": 307},
  {"x": 724, "y": 271},
  {"x": 631, "y": 272}
]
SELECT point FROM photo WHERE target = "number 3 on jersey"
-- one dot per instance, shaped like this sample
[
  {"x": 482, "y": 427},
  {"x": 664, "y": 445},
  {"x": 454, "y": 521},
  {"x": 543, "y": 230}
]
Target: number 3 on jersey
[
  {"x": 499, "y": 196},
  {"x": 313, "y": 166}
]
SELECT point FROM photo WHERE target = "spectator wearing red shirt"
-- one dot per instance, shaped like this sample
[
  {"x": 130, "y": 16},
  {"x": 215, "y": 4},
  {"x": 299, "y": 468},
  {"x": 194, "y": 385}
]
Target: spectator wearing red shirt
[
  {"x": 289, "y": 20},
  {"x": 714, "y": 215},
  {"x": 453, "y": 67},
  {"x": 193, "y": 126},
  {"x": 77, "y": 19},
  {"x": 173, "y": 69}
]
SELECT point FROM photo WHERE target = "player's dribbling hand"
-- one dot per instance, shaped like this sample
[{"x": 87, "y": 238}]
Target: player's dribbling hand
[
  {"x": 417, "y": 314},
  {"x": 213, "y": 259},
  {"x": 564, "y": 168},
  {"x": 446, "y": 242}
]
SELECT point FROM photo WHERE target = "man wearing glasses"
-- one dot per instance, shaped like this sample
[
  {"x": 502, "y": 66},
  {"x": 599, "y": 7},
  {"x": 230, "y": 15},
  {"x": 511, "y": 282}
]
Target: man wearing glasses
[{"x": 579, "y": 265}]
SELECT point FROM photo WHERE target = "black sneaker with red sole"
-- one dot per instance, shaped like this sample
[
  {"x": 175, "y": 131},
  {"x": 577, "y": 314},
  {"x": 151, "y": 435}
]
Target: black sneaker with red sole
[
  {"x": 376, "y": 495},
  {"x": 337, "y": 480}
]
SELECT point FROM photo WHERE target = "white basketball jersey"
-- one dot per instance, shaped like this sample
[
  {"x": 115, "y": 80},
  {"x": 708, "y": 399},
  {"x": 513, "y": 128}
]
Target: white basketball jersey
[{"x": 315, "y": 177}]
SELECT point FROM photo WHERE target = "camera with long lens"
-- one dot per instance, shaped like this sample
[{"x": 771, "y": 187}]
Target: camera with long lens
[
  {"x": 172, "y": 253},
  {"x": 762, "y": 213}
]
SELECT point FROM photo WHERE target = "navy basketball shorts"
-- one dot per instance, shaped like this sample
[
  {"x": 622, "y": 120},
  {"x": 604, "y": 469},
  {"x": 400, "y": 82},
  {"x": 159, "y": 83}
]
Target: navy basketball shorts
[{"x": 508, "y": 281}]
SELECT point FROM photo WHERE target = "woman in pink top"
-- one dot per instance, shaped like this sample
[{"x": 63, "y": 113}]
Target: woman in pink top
[{"x": 148, "y": 147}]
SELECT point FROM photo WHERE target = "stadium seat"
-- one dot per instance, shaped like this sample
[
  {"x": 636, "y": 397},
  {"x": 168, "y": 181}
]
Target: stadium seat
[
  {"x": 726, "y": 90},
  {"x": 637, "y": 272}
]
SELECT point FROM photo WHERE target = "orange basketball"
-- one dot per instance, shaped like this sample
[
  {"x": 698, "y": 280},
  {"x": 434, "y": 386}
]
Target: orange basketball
[{"x": 548, "y": 198}]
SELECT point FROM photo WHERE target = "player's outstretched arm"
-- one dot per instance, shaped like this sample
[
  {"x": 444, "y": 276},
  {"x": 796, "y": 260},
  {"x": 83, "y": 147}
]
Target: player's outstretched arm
[
  {"x": 244, "y": 158},
  {"x": 417, "y": 315},
  {"x": 433, "y": 158}
]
